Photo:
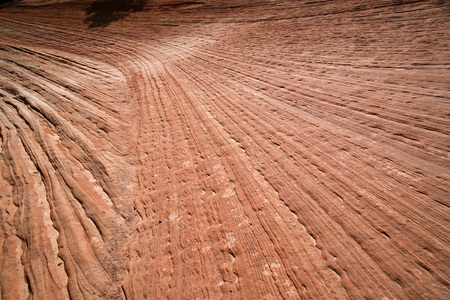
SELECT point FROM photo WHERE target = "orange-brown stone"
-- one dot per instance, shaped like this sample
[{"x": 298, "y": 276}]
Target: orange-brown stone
[{"x": 224, "y": 149}]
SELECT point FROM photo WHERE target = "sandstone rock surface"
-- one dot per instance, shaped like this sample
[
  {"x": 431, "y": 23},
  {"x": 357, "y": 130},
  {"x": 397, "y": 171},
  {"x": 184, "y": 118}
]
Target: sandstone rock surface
[{"x": 224, "y": 149}]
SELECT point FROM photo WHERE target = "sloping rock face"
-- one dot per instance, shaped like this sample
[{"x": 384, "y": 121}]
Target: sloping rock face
[{"x": 225, "y": 150}]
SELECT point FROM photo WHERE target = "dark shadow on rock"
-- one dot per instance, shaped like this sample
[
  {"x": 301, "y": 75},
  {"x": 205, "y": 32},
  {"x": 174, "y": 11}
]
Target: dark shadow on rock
[
  {"x": 5, "y": 3},
  {"x": 103, "y": 12}
]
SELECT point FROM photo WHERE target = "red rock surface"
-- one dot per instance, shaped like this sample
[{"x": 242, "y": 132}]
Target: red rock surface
[{"x": 224, "y": 149}]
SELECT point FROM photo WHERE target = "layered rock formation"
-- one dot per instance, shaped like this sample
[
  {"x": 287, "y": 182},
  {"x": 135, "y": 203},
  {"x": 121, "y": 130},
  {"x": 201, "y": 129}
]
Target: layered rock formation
[{"x": 224, "y": 149}]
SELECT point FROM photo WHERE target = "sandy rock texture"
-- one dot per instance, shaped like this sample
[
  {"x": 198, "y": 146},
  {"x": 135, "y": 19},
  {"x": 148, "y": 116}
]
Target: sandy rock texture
[{"x": 161, "y": 149}]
